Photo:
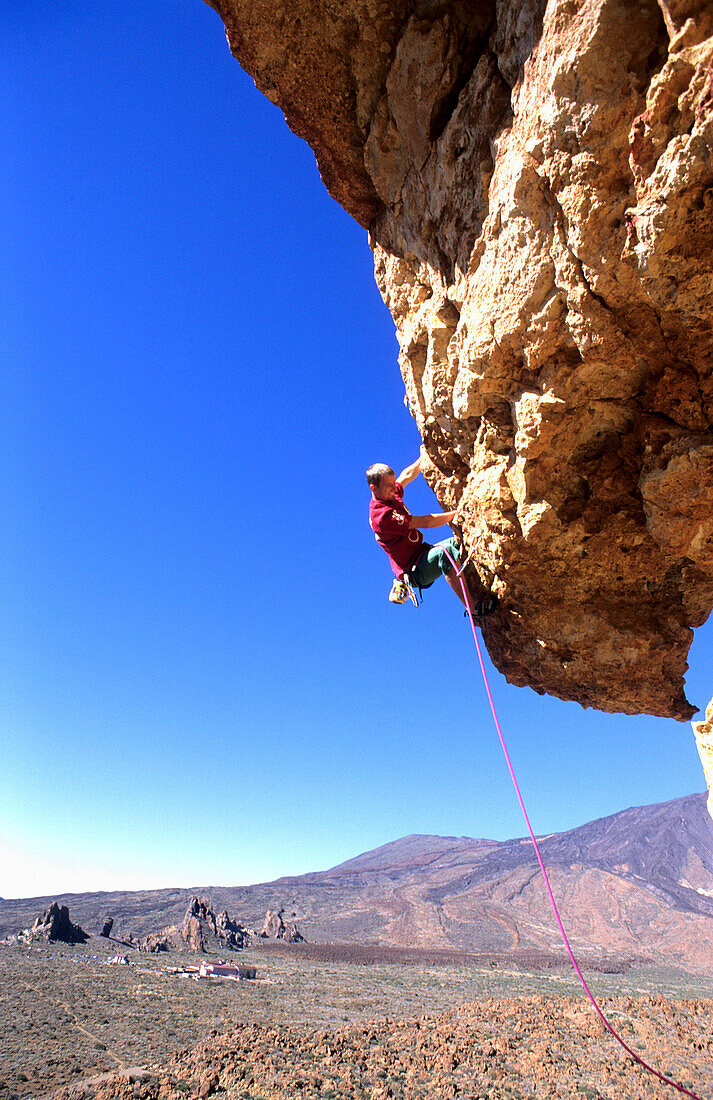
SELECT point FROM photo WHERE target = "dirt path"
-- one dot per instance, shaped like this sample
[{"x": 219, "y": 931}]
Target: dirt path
[{"x": 89, "y": 1034}]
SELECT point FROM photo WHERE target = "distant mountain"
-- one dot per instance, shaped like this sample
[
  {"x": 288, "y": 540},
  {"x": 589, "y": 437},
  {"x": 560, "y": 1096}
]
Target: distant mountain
[{"x": 636, "y": 883}]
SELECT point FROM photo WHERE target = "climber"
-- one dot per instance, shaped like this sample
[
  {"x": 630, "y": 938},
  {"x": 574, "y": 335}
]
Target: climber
[{"x": 415, "y": 562}]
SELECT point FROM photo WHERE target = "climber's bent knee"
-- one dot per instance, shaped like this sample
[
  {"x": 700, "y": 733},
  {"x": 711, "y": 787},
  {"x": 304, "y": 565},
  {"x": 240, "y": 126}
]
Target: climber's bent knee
[{"x": 434, "y": 563}]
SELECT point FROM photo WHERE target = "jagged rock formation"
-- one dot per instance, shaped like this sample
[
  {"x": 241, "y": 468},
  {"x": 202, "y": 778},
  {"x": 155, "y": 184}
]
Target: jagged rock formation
[
  {"x": 54, "y": 925},
  {"x": 292, "y": 934},
  {"x": 537, "y": 179},
  {"x": 703, "y": 732},
  {"x": 272, "y": 926},
  {"x": 200, "y": 931},
  {"x": 231, "y": 932},
  {"x": 275, "y": 928},
  {"x": 156, "y": 942},
  {"x": 635, "y": 884}
]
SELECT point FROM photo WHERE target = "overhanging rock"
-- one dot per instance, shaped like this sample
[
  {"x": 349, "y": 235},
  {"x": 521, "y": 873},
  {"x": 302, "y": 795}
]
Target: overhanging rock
[{"x": 537, "y": 180}]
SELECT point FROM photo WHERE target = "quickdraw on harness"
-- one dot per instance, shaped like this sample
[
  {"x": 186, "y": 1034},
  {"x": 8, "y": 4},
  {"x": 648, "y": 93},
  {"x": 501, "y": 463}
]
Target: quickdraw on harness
[{"x": 404, "y": 588}]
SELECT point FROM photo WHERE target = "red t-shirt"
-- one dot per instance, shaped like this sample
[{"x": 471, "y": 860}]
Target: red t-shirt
[{"x": 390, "y": 524}]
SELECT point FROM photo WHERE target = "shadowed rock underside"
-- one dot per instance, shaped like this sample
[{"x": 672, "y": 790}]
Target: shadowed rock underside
[{"x": 537, "y": 181}]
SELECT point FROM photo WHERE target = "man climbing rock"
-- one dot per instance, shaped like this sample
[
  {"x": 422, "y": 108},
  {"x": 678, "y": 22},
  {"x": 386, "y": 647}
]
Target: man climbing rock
[{"x": 399, "y": 534}]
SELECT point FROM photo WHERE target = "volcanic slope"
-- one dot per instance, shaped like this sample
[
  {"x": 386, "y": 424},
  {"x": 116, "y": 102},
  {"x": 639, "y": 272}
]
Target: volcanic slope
[{"x": 636, "y": 883}]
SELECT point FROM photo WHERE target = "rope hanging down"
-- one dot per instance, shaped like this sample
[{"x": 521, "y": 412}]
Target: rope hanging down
[{"x": 553, "y": 903}]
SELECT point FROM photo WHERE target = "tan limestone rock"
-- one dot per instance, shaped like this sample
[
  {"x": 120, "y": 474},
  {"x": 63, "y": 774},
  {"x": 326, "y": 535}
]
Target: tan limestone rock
[
  {"x": 537, "y": 180},
  {"x": 703, "y": 732}
]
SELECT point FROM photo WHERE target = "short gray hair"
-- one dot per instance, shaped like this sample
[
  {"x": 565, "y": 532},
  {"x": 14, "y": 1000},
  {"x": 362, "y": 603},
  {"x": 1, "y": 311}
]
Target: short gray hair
[{"x": 375, "y": 473}]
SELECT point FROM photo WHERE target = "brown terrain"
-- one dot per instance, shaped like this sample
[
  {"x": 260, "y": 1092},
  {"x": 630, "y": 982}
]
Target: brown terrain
[
  {"x": 537, "y": 180},
  {"x": 438, "y": 974},
  {"x": 530, "y": 1047},
  {"x": 74, "y": 1020},
  {"x": 638, "y": 884}
]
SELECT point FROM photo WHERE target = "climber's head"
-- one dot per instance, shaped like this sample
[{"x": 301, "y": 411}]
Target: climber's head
[{"x": 382, "y": 480}]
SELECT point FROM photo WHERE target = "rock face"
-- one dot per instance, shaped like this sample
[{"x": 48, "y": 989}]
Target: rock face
[
  {"x": 275, "y": 928},
  {"x": 200, "y": 931},
  {"x": 156, "y": 942},
  {"x": 703, "y": 732},
  {"x": 55, "y": 924},
  {"x": 537, "y": 180}
]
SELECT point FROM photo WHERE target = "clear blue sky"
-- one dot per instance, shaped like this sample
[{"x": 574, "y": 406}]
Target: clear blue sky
[{"x": 201, "y": 679}]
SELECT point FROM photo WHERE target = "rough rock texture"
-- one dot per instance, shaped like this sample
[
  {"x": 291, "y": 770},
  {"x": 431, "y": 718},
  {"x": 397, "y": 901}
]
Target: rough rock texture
[
  {"x": 293, "y": 934},
  {"x": 703, "y": 732},
  {"x": 54, "y": 925},
  {"x": 200, "y": 931},
  {"x": 156, "y": 942},
  {"x": 529, "y": 1046},
  {"x": 275, "y": 928},
  {"x": 537, "y": 179},
  {"x": 231, "y": 932}
]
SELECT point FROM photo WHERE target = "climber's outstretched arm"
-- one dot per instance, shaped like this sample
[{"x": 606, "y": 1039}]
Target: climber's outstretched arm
[
  {"x": 406, "y": 476},
  {"x": 436, "y": 519},
  {"x": 412, "y": 471}
]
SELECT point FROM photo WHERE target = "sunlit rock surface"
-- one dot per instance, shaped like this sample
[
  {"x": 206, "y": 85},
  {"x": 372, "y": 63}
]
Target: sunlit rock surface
[
  {"x": 703, "y": 732},
  {"x": 537, "y": 180}
]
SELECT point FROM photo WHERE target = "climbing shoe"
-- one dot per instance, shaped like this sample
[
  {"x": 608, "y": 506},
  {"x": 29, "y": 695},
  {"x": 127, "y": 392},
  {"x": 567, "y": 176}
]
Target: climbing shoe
[
  {"x": 485, "y": 607},
  {"x": 399, "y": 592}
]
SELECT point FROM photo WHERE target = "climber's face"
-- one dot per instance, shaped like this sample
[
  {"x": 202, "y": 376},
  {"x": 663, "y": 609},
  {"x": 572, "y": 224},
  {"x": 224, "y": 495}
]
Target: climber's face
[{"x": 386, "y": 489}]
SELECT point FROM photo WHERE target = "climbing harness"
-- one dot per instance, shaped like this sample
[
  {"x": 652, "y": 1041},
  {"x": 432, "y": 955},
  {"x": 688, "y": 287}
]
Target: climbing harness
[
  {"x": 404, "y": 588},
  {"x": 553, "y": 903}
]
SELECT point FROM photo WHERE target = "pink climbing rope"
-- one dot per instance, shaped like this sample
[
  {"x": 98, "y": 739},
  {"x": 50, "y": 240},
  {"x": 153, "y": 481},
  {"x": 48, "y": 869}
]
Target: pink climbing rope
[{"x": 600, "y": 1014}]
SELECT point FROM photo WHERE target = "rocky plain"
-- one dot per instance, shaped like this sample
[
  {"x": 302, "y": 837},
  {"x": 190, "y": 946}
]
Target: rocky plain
[{"x": 427, "y": 967}]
